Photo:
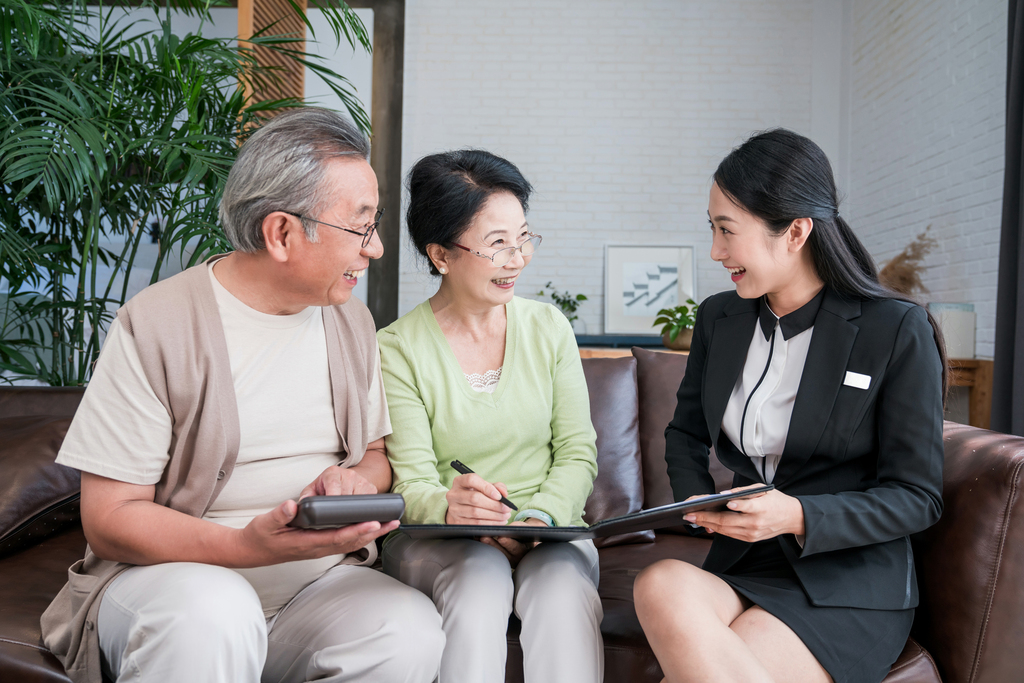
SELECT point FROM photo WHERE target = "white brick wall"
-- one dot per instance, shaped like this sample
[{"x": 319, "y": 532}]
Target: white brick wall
[
  {"x": 928, "y": 81},
  {"x": 618, "y": 113}
]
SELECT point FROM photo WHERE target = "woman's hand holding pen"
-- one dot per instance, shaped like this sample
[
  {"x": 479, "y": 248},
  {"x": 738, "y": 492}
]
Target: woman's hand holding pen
[
  {"x": 473, "y": 500},
  {"x": 753, "y": 519}
]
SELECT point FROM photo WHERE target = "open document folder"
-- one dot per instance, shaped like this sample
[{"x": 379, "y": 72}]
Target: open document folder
[{"x": 655, "y": 518}]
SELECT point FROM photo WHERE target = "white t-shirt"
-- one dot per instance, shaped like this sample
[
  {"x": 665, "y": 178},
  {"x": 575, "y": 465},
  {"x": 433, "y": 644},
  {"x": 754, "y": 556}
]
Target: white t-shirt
[{"x": 286, "y": 417}]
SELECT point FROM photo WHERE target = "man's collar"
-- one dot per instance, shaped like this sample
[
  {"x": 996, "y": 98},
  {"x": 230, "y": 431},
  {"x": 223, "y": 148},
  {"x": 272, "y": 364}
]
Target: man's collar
[{"x": 793, "y": 323}]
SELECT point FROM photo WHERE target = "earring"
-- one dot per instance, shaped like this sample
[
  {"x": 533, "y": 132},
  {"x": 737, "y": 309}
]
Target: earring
[{"x": 443, "y": 271}]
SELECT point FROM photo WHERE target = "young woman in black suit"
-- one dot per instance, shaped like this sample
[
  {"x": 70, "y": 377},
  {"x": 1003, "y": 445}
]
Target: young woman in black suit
[{"x": 813, "y": 377}]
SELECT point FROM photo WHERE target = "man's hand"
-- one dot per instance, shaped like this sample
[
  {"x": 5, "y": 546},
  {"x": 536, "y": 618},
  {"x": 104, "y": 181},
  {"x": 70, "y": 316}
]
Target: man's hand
[
  {"x": 338, "y": 481},
  {"x": 753, "y": 519},
  {"x": 122, "y": 523},
  {"x": 268, "y": 539},
  {"x": 473, "y": 500},
  {"x": 513, "y": 549}
]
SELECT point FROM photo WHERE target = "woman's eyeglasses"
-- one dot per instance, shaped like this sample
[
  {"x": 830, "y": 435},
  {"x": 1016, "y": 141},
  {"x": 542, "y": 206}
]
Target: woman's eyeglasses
[
  {"x": 502, "y": 256},
  {"x": 367, "y": 233}
]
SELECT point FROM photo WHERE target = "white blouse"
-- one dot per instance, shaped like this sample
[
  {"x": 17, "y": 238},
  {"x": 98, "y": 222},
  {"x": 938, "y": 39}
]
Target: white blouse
[{"x": 757, "y": 416}]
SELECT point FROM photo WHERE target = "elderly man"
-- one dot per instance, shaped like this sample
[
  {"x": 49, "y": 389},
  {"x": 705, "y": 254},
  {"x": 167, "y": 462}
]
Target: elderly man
[{"x": 243, "y": 382}]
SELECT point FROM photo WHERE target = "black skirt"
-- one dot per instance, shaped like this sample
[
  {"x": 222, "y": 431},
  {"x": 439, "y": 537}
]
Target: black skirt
[{"x": 853, "y": 645}]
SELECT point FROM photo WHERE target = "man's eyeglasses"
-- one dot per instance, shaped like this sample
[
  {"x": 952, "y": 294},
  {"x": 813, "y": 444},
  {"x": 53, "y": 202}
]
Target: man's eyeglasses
[
  {"x": 502, "y": 256},
  {"x": 367, "y": 235}
]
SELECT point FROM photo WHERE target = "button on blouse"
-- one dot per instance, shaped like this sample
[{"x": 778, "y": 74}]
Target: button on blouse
[{"x": 757, "y": 416}]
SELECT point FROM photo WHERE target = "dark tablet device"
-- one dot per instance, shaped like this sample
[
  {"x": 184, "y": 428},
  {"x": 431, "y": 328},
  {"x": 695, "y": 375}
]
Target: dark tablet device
[
  {"x": 718, "y": 502},
  {"x": 328, "y": 512}
]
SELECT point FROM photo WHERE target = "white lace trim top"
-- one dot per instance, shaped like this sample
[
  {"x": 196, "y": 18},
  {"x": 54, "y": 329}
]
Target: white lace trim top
[{"x": 485, "y": 382}]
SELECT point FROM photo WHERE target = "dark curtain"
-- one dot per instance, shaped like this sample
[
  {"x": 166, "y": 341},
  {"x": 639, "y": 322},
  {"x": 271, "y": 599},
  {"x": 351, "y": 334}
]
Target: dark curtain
[{"x": 1008, "y": 383}]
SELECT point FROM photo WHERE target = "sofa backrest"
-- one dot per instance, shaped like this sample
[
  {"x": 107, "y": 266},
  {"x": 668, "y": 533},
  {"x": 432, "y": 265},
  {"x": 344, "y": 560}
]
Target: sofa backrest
[
  {"x": 658, "y": 377},
  {"x": 614, "y": 407},
  {"x": 21, "y": 401},
  {"x": 618, "y": 489}
]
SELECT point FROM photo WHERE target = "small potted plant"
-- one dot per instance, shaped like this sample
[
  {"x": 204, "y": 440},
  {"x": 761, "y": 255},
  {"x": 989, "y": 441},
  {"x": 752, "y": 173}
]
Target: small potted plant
[
  {"x": 568, "y": 304},
  {"x": 677, "y": 325}
]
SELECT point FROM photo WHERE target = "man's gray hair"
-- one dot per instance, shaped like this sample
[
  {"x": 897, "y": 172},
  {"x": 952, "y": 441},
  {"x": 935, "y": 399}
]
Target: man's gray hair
[{"x": 281, "y": 167}]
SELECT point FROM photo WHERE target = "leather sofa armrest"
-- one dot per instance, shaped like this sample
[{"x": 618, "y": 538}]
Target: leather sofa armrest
[{"x": 971, "y": 564}]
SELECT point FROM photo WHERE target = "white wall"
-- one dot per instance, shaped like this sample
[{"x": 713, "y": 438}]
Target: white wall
[
  {"x": 617, "y": 112},
  {"x": 927, "y": 108}
]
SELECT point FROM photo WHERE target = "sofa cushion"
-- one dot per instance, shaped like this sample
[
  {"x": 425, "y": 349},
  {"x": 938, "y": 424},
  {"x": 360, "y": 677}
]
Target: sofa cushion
[
  {"x": 627, "y": 654},
  {"x": 29, "y": 580},
  {"x": 618, "y": 489},
  {"x": 971, "y": 563},
  {"x": 914, "y": 665},
  {"x": 37, "y": 496}
]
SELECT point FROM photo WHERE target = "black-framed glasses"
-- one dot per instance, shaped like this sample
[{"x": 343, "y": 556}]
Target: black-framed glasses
[
  {"x": 369, "y": 229},
  {"x": 501, "y": 257}
]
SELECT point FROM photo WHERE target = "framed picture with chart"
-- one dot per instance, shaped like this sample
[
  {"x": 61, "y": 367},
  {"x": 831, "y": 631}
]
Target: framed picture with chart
[{"x": 640, "y": 280}]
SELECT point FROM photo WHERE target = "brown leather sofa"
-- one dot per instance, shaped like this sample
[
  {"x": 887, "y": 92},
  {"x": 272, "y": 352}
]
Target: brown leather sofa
[{"x": 969, "y": 627}]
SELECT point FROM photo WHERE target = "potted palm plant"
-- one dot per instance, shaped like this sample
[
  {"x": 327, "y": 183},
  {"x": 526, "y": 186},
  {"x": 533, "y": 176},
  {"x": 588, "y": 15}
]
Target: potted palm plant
[{"x": 677, "y": 325}]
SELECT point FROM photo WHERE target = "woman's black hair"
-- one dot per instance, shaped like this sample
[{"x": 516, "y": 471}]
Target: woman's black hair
[
  {"x": 448, "y": 189},
  {"x": 780, "y": 176}
]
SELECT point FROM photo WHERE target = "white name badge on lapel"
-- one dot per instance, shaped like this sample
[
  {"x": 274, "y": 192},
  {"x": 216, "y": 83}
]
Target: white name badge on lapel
[{"x": 857, "y": 380}]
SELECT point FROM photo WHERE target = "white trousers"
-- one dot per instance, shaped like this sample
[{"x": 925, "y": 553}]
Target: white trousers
[
  {"x": 553, "y": 592},
  {"x": 193, "y": 623}
]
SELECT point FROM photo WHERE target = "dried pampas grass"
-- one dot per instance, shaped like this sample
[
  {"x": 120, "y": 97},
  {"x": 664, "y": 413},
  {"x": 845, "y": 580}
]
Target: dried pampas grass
[{"x": 903, "y": 272}]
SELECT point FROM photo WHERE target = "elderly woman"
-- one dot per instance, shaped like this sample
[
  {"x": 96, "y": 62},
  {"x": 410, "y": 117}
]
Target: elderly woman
[{"x": 479, "y": 375}]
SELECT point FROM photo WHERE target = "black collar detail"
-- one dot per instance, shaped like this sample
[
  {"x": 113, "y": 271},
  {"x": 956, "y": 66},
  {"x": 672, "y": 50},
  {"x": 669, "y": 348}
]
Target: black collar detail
[{"x": 793, "y": 323}]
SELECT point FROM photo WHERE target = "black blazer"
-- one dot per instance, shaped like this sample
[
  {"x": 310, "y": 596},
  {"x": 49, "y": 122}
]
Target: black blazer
[{"x": 865, "y": 464}]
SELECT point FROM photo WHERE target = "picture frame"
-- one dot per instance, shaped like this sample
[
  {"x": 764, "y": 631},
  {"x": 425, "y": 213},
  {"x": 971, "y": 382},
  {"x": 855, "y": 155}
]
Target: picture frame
[{"x": 641, "y": 279}]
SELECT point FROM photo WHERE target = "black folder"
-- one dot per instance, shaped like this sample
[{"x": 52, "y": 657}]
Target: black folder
[{"x": 655, "y": 518}]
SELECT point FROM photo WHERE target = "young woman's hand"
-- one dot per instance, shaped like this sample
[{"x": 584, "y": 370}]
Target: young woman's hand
[
  {"x": 753, "y": 519},
  {"x": 473, "y": 500}
]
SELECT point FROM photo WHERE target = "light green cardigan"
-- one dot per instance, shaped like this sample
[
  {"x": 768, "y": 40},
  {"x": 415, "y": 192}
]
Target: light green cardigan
[{"x": 533, "y": 433}]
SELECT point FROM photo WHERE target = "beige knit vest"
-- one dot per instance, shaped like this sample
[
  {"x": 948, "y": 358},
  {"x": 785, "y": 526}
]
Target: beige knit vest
[{"x": 180, "y": 339}]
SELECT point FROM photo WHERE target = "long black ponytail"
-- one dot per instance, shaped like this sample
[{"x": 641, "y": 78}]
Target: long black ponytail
[{"x": 780, "y": 176}]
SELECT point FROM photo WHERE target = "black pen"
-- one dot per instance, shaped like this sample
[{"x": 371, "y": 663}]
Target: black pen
[{"x": 462, "y": 469}]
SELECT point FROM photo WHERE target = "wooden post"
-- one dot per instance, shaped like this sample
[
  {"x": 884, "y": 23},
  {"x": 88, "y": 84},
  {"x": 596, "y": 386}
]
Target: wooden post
[
  {"x": 278, "y": 18},
  {"x": 386, "y": 154}
]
